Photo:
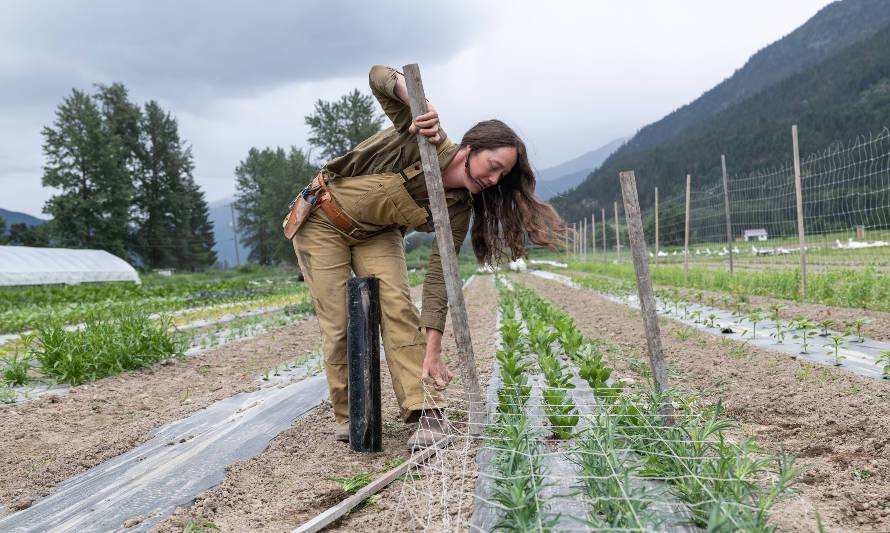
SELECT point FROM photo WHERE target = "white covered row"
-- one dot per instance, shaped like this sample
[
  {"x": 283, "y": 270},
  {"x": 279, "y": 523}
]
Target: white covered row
[{"x": 24, "y": 265}]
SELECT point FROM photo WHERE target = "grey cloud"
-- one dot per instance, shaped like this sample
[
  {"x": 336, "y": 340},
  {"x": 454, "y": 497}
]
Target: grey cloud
[{"x": 172, "y": 50}]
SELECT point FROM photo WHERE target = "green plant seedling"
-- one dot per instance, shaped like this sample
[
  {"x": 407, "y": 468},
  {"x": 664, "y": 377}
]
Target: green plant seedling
[
  {"x": 7, "y": 395},
  {"x": 834, "y": 349},
  {"x": 683, "y": 334},
  {"x": 807, "y": 330},
  {"x": 884, "y": 359},
  {"x": 755, "y": 317},
  {"x": 824, "y": 325},
  {"x": 351, "y": 484},
  {"x": 856, "y": 327},
  {"x": 711, "y": 321},
  {"x": 696, "y": 316}
]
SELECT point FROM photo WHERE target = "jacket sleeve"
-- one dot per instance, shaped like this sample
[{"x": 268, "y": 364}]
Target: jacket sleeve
[
  {"x": 382, "y": 80},
  {"x": 435, "y": 297}
]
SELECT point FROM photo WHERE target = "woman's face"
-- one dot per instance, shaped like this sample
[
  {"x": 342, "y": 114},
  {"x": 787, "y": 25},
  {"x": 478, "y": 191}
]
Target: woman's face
[{"x": 487, "y": 167}]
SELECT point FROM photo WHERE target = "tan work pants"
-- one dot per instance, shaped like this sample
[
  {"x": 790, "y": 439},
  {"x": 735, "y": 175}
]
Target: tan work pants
[{"x": 328, "y": 258}]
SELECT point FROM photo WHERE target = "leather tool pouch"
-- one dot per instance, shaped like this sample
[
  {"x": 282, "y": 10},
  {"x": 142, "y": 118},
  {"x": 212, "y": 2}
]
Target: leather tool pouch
[{"x": 301, "y": 208}]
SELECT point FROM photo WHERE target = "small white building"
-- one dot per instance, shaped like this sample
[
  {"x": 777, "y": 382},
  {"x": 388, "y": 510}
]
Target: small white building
[
  {"x": 26, "y": 265},
  {"x": 756, "y": 235}
]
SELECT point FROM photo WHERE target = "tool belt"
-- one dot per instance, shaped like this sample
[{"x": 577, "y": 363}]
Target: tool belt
[{"x": 316, "y": 194}]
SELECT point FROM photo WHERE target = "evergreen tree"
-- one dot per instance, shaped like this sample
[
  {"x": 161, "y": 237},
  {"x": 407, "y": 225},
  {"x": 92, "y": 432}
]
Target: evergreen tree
[
  {"x": 81, "y": 162},
  {"x": 170, "y": 214},
  {"x": 2, "y": 231},
  {"x": 337, "y": 127},
  {"x": 22, "y": 234},
  {"x": 266, "y": 181}
]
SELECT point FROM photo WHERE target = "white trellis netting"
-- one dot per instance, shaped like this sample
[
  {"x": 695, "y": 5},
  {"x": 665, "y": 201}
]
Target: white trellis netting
[
  {"x": 619, "y": 465},
  {"x": 24, "y": 265}
]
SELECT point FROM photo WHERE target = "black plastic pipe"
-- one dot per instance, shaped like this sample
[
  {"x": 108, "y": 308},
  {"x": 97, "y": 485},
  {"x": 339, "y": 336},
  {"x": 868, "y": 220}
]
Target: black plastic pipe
[{"x": 363, "y": 356}]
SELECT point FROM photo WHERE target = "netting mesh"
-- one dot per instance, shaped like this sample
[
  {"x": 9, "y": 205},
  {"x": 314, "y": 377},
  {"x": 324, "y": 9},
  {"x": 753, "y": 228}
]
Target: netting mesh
[
  {"x": 564, "y": 447},
  {"x": 845, "y": 192}
]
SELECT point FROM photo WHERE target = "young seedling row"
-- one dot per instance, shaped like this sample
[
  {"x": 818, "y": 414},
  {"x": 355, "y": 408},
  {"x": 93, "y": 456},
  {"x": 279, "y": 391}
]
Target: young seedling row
[{"x": 630, "y": 464}]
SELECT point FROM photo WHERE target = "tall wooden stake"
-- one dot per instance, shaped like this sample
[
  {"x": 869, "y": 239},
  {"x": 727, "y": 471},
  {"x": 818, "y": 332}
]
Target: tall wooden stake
[
  {"x": 593, "y": 233},
  {"x": 442, "y": 225},
  {"x": 686, "y": 238},
  {"x": 801, "y": 234},
  {"x": 235, "y": 236},
  {"x": 657, "y": 235},
  {"x": 617, "y": 235},
  {"x": 605, "y": 247},
  {"x": 726, "y": 203},
  {"x": 644, "y": 286}
]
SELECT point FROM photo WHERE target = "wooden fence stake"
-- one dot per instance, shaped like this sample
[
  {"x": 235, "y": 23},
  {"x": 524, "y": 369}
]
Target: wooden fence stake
[
  {"x": 657, "y": 234},
  {"x": 686, "y": 238},
  {"x": 593, "y": 233},
  {"x": 605, "y": 247},
  {"x": 617, "y": 235},
  {"x": 442, "y": 225},
  {"x": 728, "y": 218},
  {"x": 644, "y": 285},
  {"x": 801, "y": 234}
]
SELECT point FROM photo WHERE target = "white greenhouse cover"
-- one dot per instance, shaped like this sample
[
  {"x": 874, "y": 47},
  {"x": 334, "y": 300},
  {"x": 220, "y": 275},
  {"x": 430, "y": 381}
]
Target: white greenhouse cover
[{"x": 24, "y": 265}]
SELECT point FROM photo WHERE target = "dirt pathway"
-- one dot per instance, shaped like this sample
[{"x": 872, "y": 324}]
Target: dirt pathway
[
  {"x": 55, "y": 437},
  {"x": 837, "y": 424},
  {"x": 289, "y": 482}
]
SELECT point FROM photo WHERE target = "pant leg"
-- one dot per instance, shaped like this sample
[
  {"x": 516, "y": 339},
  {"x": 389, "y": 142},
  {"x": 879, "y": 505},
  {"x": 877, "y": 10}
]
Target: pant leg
[
  {"x": 383, "y": 256},
  {"x": 325, "y": 257}
]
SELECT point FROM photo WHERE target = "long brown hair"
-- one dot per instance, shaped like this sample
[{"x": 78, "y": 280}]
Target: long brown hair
[{"x": 508, "y": 213}]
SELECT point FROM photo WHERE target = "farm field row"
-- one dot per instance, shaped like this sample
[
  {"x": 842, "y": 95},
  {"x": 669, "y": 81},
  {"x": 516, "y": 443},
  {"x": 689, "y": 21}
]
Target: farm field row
[{"x": 835, "y": 423}]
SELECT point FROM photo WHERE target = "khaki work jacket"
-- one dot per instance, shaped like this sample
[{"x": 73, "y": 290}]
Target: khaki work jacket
[{"x": 380, "y": 184}]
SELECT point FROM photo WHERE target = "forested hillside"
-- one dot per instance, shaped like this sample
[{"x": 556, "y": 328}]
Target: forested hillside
[{"x": 839, "y": 97}]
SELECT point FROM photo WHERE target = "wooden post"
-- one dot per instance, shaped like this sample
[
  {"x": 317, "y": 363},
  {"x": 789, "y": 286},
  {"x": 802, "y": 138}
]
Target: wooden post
[
  {"x": 686, "y": 237},
  {"x": 656, "y": 226},
  {"x": 644, "y": 286},
  {"x": 605, "y": 247},
  {"x": 617, "y": 236},
  {"x": 726, "y": 203},
  {"x": 593, "y": 233},
  {"x": 801, "y": 234},
  {"x": 442, "y": 225},
  {"x": 235, "y": 236},
  {"x": 567, "y": 242},
  {"x": 585, "y": 239}
]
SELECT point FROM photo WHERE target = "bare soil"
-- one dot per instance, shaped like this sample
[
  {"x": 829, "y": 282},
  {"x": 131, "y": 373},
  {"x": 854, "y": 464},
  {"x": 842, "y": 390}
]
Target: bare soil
[
  {"x": 290, "y": 482},
  {"x": 836, "y": 423},
  {"x": 50, "y": 439}
]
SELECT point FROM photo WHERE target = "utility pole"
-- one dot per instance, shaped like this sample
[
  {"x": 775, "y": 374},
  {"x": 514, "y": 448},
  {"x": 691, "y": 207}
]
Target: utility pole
[{"x": 235, "y": 236}]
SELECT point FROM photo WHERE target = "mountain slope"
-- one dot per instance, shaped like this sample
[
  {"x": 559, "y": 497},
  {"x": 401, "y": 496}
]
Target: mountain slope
[
  {"x": 221, "y": 215},
  {"x": 554, "y": 180},
  {"x": 838, "y": 98},
  {"x": 833, "y": 28},
  {"x": 14, "y": 217}
]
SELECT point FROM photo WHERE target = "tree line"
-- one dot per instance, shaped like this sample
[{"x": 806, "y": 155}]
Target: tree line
[
  {"x": 125, "y": 182},
  {"x": 269, "y": 178}
]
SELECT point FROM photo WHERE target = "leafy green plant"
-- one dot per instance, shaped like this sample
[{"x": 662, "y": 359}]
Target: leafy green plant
[
  {"x": 15, "y": 367},
  {"x": 807, "y": 330},
  {"x": 755, "y": 317},
  {"x": 351, "y": 484},
  {"x": 104, "y": 348},
  {"x": 856, "y": 327},
  {"x": 561, "y": 412},
  {"x": 7, "y": 395},
  {"x": 834, "y": 349},
  {"x": 711, "y": 321},
  {"x": 824, "y": 324}
]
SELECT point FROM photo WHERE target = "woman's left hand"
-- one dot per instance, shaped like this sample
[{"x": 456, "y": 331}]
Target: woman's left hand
[
  {"x": 435, "y": 372},
  {"x": 427, "y": 125}
]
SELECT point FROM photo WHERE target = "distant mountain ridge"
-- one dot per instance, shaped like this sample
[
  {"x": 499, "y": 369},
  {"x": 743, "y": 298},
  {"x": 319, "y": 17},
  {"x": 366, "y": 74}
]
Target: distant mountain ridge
[
  {"x": 220, "y": 213},
  {"x": 562, "y": 177},
  {"x": 821, "y": 81},
  {"x": 14, "y": 217}
]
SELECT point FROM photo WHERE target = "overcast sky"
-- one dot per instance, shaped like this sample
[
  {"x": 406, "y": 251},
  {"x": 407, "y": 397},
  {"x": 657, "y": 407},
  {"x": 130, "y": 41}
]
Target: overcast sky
[{"x": 568, "y": 76}]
